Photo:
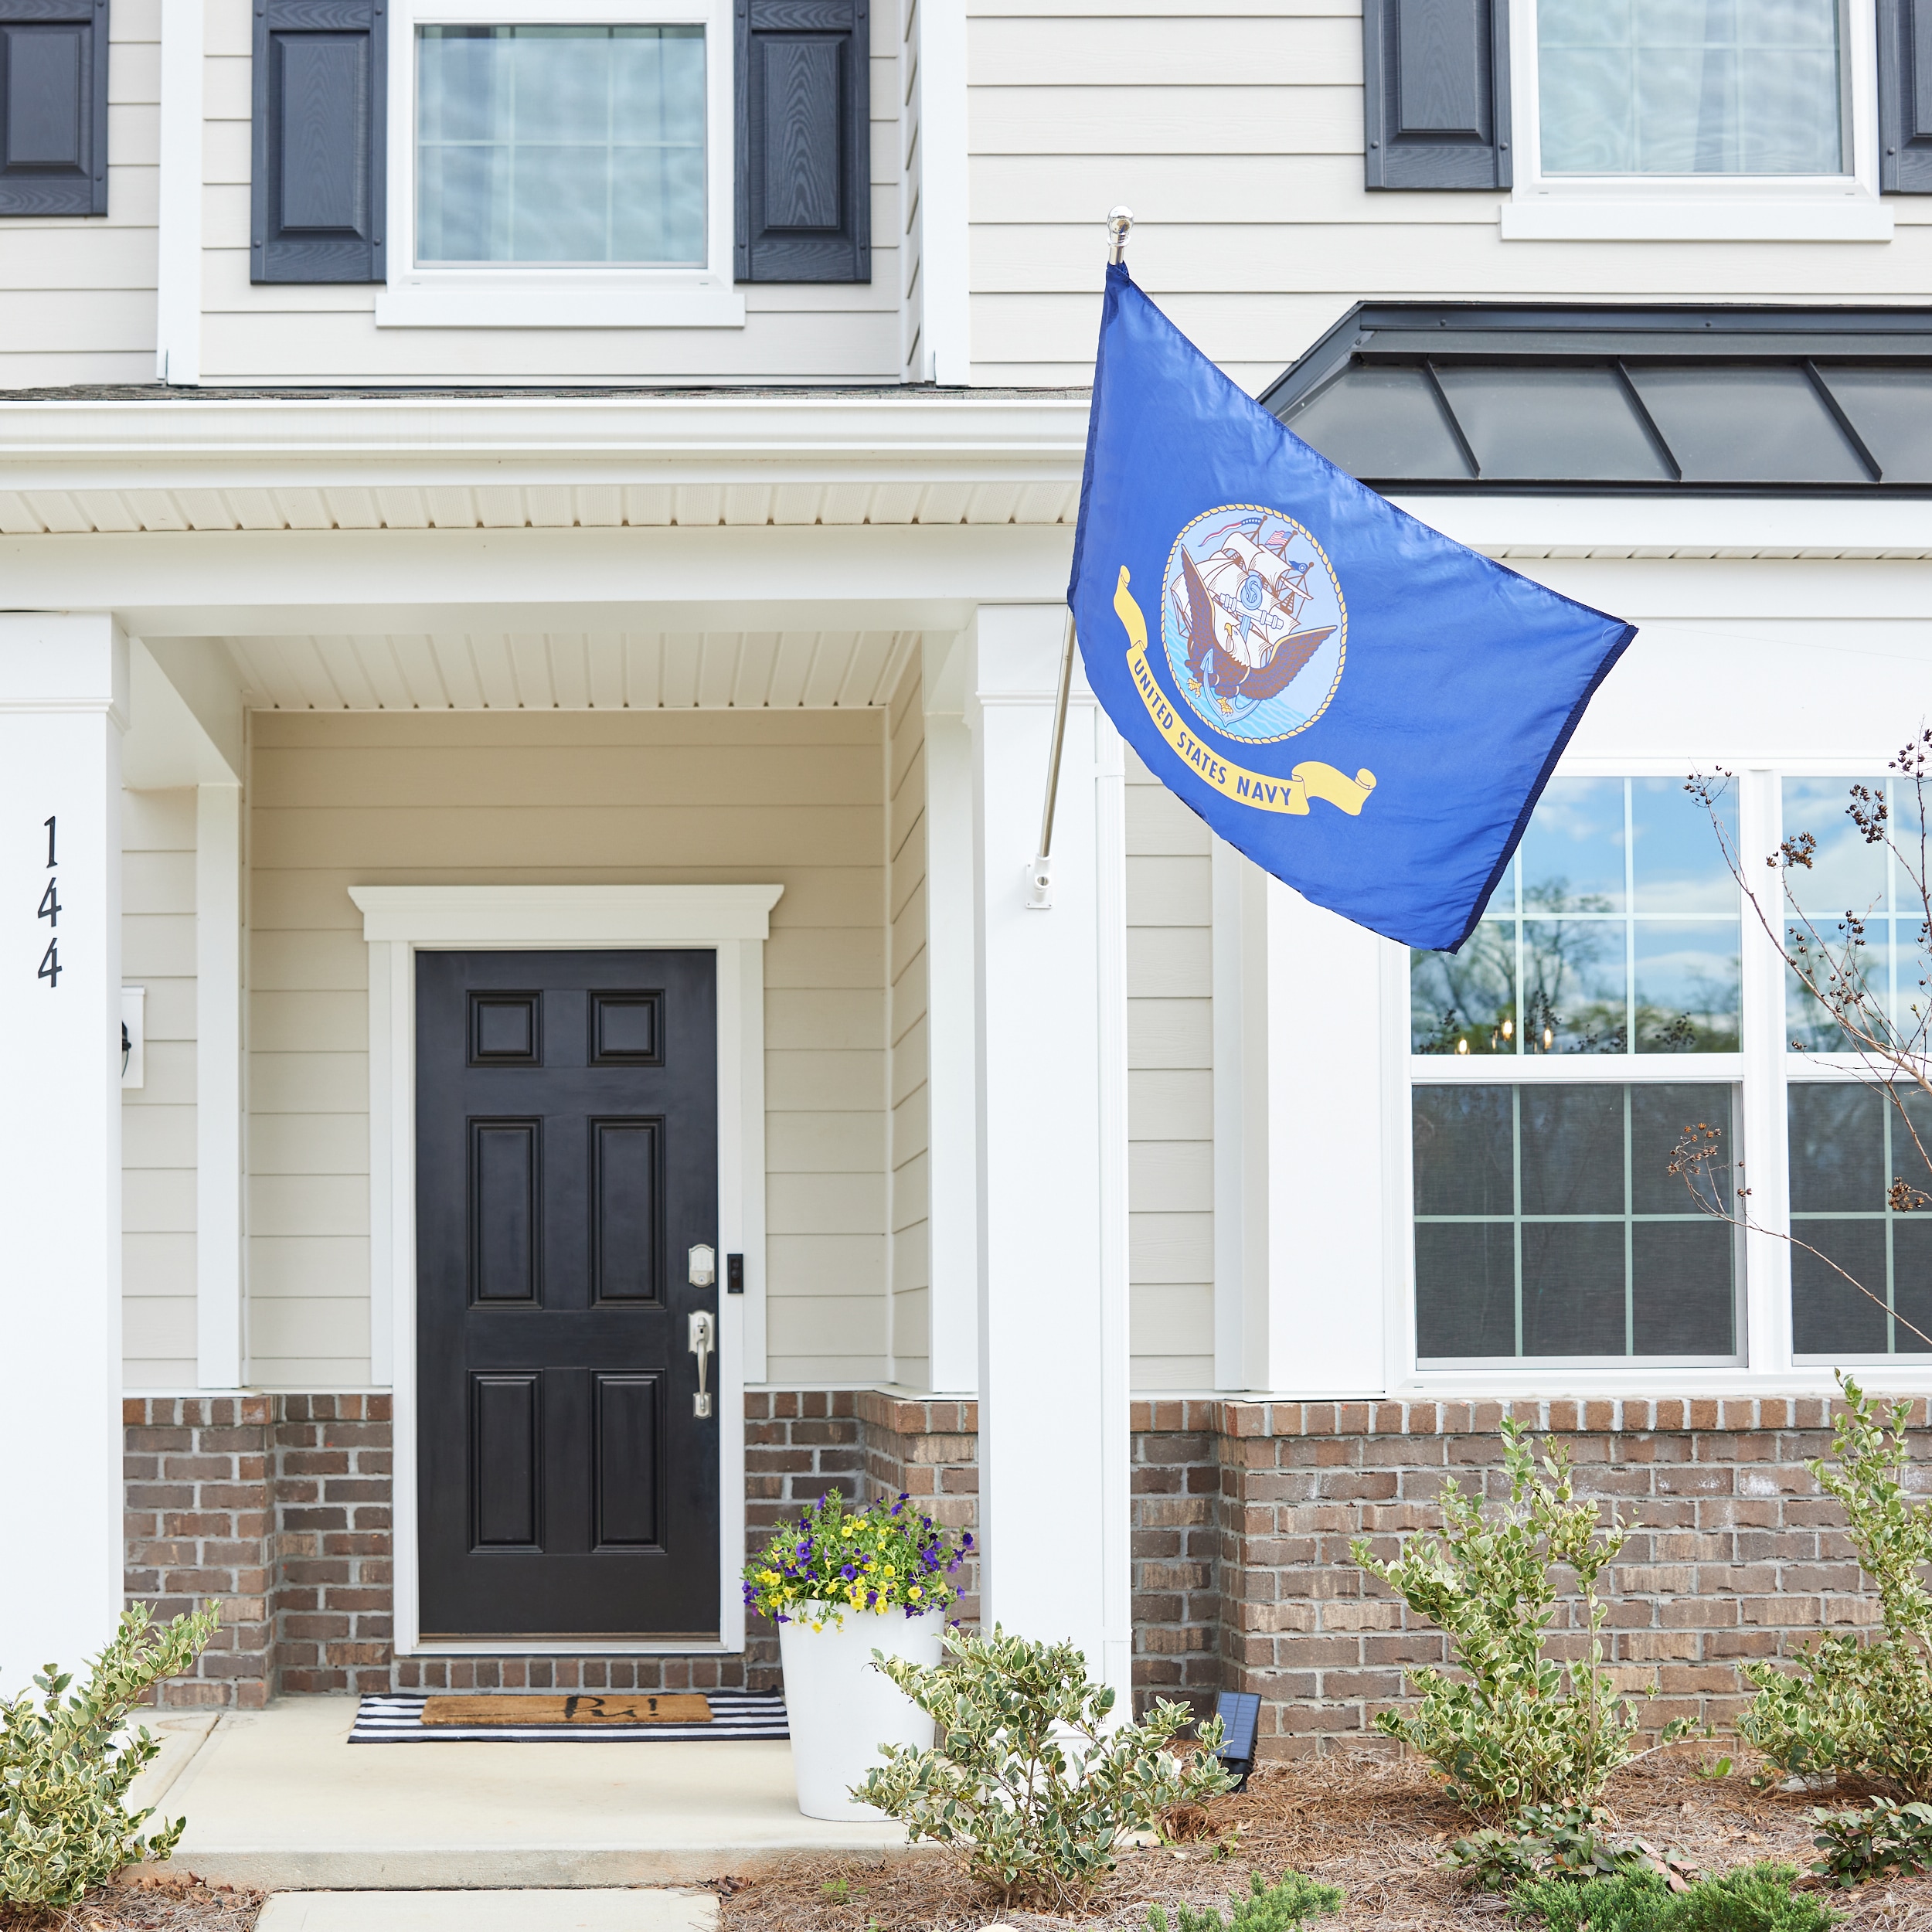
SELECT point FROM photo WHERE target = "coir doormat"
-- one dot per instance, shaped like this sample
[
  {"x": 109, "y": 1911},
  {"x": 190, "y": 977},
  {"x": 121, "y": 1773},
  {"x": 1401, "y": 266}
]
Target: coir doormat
[{"x": 611, "y": 1717}]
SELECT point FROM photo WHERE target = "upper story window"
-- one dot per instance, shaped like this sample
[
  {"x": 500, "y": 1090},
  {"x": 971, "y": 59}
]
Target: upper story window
[
  {"x": 574, "y": 145},
  {"x": 1637, "y": 87}
]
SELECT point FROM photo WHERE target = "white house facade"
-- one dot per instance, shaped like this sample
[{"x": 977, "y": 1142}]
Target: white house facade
[{"x": 533, "y": 540}]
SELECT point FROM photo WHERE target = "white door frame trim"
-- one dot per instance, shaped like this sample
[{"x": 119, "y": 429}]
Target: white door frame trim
[{"x": 733, "y": 921}]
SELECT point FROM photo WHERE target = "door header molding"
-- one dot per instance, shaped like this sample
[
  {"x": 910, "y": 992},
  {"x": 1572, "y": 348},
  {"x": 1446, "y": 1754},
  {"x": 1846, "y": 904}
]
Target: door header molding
[
  {"x": 571, "y": 917},
  {"x": 398, "y": 921}
]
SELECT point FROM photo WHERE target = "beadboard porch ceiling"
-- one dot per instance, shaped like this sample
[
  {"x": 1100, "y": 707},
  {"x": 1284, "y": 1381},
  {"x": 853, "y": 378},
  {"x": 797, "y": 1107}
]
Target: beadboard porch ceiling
[{"x": 573, "y": 671}]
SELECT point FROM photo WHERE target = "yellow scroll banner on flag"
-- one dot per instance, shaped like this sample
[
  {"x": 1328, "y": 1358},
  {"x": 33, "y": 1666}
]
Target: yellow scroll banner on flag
[{"x": 1311, "y": 779}]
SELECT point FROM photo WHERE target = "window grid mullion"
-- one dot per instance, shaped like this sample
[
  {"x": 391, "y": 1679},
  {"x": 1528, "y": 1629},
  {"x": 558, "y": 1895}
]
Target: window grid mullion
[{"x": 1515, "y": 1198}]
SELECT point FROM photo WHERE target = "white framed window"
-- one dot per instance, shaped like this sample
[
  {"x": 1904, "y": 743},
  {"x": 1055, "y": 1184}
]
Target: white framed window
[
  {"x": 1553, "y": 1064},
  {"x": 1696, "y": 119},
  {"x": 560, "y": 164},
  {"x": 1612, "y": 997}
]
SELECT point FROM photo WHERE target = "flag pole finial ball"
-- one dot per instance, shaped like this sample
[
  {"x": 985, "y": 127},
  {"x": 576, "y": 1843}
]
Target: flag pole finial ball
[{"x": 1119, "y": 220}]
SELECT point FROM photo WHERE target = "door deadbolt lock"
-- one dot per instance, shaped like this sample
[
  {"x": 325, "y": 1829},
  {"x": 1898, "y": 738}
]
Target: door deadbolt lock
[
  {"x": 703, "y": 1265},
  {"x": 704, "y": 1343}
]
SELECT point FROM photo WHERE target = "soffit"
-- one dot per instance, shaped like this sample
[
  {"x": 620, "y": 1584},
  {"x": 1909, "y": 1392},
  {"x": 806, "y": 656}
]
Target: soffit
[
  {"x": 573, "y": 671},
  {"x": 404, "y": 506}
]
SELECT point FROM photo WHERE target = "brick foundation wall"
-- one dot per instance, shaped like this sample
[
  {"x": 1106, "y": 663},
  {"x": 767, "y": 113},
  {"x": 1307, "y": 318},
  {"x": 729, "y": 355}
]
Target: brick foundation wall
[
  {"x": 1734, "y": 1554},
  {"x": 200, "y": 1524},
  {"x": 278, "y": 1508},
  {"x": 861, "y": 1445},
  {"x": 1175, "y": 1540},
  {"x": 333, "y": 1580}
]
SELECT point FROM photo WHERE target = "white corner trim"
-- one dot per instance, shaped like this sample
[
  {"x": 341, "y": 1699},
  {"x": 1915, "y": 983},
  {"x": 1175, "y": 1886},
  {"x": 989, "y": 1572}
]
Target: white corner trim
[
  {"x": 398, "y": 921},
  {"x": 429, "y": 299},
  {"x": 1846, "y": 218},
  {"x": 219, "y": 1111}
]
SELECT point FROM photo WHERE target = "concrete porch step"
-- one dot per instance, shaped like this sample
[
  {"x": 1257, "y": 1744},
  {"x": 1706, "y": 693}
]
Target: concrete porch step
[{"x": 280, "y": 1800}]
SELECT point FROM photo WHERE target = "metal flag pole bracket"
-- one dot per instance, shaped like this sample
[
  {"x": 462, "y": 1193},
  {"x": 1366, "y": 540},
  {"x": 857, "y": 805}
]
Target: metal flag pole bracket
[{"x": 1039, "y": 874}]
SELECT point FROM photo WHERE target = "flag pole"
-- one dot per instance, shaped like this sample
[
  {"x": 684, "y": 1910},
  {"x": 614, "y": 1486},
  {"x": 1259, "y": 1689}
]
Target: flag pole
[{"x": 1039, "y": 895}]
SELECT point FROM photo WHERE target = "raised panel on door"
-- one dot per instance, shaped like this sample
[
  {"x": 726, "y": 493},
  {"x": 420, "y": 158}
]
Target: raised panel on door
[
  {"x": 505, "y": 1461},
  {"x": 630, "y": 1470},
  {"x": 627, "y": 1237},
  {"x": 505, "y": 1210}
]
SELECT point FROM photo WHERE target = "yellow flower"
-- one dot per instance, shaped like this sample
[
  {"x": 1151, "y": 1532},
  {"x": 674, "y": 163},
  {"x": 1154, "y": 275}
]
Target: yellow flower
[
  {"x": 891, "y": 1572},
  {"x": 913, "y": 1593}
]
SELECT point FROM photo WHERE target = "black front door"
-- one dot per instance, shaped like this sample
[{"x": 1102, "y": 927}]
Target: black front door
[{"x": 566, "y": 1161}]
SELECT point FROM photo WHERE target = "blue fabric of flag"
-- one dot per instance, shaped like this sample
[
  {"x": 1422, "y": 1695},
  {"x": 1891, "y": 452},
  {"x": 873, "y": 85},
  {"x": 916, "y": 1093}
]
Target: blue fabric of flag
[{"x": 1367, "y": 708}]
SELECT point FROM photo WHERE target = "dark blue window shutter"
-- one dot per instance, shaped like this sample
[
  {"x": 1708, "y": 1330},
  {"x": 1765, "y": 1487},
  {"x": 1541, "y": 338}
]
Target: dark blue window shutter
[
  {"x": 1435, "y": 93},
  {"x": 1905, "y": 96},
  {"x": 319, "y": 194},
  {"x": 803, "y": 85},
  {"x": 54, "y": 106}
]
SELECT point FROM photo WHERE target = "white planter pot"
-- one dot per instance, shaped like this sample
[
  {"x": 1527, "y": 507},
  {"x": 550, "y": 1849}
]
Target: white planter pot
[{"x": 840, "y": 1710}]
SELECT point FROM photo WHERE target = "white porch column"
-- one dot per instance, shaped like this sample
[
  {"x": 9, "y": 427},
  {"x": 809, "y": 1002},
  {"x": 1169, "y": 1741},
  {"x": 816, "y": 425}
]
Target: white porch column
[
  {"x": 1052, "y": 1144},
  {"x": 218, "y": 1095},
  {"x": 1299, "y": 1131},
  {"x": 63, "y": 683}
]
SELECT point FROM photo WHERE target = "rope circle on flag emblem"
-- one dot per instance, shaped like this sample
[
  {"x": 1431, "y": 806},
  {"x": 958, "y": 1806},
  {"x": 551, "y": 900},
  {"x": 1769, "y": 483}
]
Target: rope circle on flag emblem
[{"x": 1254, "y": 622}]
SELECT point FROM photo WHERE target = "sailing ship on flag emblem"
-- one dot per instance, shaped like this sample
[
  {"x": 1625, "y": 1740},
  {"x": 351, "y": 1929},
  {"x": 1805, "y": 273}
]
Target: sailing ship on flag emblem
[{"x": 1254, "y": 623}]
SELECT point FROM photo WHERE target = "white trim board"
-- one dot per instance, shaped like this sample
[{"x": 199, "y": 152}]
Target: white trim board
[{"x": 733, "y": 921}]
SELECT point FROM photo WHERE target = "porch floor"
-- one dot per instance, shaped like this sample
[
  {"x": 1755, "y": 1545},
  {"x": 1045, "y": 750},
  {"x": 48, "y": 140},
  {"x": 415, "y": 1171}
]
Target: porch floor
[{"x": 279, "y": 1799}]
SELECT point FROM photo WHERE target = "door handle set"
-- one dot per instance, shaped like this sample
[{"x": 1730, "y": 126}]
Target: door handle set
[{"x": 704, "y": 1343}]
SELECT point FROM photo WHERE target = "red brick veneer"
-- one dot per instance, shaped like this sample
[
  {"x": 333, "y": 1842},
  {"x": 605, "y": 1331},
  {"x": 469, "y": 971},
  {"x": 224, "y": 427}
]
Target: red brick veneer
[{"x": 1735, "y": 1554}]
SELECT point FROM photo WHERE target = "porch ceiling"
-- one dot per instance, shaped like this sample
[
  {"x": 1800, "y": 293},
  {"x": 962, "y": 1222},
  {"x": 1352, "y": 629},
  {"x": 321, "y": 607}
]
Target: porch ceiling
[{"x": 572, "y": 670}]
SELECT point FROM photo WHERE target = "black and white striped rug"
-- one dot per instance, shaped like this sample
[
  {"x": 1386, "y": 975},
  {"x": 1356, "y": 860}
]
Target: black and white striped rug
[{"x": 398, "y": 1719}]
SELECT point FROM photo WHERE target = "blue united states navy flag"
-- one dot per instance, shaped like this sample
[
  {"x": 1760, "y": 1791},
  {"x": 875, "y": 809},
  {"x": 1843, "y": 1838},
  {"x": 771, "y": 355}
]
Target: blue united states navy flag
[{"x": 1364, "y": 707}]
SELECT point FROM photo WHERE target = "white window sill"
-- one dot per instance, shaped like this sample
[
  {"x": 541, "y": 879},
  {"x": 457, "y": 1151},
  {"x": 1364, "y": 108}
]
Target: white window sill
[
  {"x": 1564, "y": 218},
  {"x": 432, "y": 299}
]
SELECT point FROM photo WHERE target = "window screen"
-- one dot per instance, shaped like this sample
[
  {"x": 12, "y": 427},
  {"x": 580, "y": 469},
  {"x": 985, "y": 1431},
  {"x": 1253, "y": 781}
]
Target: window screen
[
  {"x": 561, "y": 144},
  {"x": 1615, "y": 930},
  {"x": 1849, "y": 1143},
  {"x": 1548, "y": 1223},
  {"x": 1690, "y": 86}
]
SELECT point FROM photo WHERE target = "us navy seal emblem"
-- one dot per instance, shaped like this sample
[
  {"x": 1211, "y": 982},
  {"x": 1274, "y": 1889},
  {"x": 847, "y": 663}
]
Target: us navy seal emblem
[{"x": 1254, "y": 622}]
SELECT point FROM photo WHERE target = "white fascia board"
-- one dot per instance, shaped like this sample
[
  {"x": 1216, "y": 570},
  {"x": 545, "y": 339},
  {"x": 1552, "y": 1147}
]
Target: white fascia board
[
  {"x": 636, "y": 438},
  {"x": 572, "y": 916},
  {"x": 1670, "y": 525},
  {"x": 242, "y": 582}
]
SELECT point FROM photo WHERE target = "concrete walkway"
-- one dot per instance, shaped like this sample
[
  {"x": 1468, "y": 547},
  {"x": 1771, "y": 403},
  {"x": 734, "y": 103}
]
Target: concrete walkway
[
  {"x": 279, "y": 1799},
  {"x": 578, "y": 1911}
]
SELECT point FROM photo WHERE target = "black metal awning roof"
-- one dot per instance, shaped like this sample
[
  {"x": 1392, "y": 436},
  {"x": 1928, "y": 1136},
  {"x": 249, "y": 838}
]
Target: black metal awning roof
[{"x": 1723, "y": 400}]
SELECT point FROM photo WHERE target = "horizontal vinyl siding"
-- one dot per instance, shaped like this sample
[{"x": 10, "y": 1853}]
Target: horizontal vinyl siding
[
  {"x": 322, "y": 334},
  {"x": 1236, "y": 136},
  {"x": 704, "y": 797},
  {"x": 157, "y": 1154},
  {"x": 910, "y": 1084},
  {"x": 77, "y": 292},
  {"x": 1170, "y": 1048}
]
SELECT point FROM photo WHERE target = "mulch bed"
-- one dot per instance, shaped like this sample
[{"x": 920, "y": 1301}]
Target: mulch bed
[
  {"x": 159, "y": 1900},
  {"x": 1373, "y": 1826}
]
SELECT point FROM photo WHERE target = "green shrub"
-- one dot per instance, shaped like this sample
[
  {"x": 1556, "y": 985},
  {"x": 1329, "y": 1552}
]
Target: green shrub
[
  {"x": 1290, "y": 1903},
  {"x": 1883, "y": 1837},
  {"x": 1028, "y": 1776},
  {"x": 1753, "y": 1898},
  {"x": 1547, "y": 1842},
  {"x": 1519, "y": 1728},
  {"x": 1861, "y": 1705},
  {"x": 1629, "y": 1902},
  {"x": 63, "y": 1826}
]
